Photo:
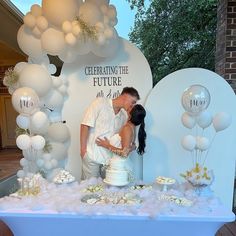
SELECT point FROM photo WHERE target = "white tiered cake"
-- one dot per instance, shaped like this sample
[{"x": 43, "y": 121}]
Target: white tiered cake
[{"x": 116, "y": 174}]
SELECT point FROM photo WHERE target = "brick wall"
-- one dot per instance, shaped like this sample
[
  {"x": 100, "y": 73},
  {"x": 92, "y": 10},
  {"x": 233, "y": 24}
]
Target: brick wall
[{"x": 226, "y": 41}]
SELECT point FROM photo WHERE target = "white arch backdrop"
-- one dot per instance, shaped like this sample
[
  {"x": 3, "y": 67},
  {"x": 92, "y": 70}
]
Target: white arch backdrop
[
  {"x": 165, "y": 155},
  {"x": 127, "y": 68}
]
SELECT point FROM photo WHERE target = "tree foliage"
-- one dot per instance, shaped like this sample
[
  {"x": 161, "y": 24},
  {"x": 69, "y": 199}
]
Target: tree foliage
[{"x": 175, "y": 34}]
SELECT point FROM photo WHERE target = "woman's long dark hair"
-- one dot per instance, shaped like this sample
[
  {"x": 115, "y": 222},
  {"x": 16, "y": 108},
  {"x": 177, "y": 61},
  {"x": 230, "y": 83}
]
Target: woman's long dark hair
[{"x": 137, "y": 115}]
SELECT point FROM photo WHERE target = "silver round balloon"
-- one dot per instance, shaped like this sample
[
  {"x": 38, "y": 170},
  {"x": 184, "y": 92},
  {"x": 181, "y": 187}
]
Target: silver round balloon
[{"x": 196, "y": 99}]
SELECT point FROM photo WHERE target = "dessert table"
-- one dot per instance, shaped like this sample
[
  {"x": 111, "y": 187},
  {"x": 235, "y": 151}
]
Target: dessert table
[{"x": 67, "y": 210}]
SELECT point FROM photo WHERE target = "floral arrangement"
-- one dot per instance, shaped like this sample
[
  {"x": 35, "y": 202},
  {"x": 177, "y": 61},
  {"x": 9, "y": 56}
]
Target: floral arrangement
[{"x": 199, "y": 176}]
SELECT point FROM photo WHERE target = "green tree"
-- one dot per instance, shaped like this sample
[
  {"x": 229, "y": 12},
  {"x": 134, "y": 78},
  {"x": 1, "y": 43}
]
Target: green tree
[{"x": 176, "y": 34}]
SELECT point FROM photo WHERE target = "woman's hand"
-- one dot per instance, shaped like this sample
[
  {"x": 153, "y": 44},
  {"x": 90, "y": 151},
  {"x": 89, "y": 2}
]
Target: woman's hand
[{"x": 103, "y": 142}]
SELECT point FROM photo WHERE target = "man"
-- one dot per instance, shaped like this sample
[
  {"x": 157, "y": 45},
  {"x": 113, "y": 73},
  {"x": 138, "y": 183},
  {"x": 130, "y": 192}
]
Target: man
[{"x": 103, "y": 118}]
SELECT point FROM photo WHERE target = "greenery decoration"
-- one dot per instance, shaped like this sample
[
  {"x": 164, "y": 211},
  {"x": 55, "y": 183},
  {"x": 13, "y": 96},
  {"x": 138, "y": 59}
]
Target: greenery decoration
[
  {"x": 20, "y": 131},
  {"x": 11, "y": 77},
  {"x": 87, "y": 30},
  {"x": 48, "y": 147}
]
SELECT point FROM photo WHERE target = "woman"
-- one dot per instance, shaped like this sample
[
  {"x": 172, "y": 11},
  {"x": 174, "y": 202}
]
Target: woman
[{"x": 122, "y": 143}]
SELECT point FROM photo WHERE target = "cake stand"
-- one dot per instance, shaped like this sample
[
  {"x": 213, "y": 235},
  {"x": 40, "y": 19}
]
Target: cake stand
[{"x": 165, "y": 181}]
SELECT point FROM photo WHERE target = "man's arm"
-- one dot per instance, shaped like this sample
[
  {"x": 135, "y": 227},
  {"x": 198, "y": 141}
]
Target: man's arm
[{"x": 84, "y": 131}]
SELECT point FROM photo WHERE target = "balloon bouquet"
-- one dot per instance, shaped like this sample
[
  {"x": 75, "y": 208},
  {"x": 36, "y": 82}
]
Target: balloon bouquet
[
  {"x": 68, "y": 29},
  {"x": 195, "y": 101}
]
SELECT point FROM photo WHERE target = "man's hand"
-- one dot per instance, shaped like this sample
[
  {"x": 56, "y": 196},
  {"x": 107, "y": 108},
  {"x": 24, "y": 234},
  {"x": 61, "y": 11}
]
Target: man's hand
[{"x": 83, "y": 152}]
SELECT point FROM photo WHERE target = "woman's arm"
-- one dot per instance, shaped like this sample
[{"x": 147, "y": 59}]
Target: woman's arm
[{"x": 126, "y": 135}]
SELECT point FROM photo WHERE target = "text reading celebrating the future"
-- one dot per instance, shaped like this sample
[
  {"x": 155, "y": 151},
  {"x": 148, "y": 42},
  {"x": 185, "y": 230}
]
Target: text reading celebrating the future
[{"x": 106, "y": 75}]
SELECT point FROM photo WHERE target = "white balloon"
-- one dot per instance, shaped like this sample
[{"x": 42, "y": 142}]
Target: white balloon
[
  {"x": 69, "y": 54},
  {"x": 90, "y": 13},
  {"x": 36, "y": 10},
  {"x": 188, "y": 142},
  {"x": 58, "y": 132},
  {"x": 20, "y": 174},
  {"x": 42, "y": 23},
  {"x": 76, "y": 29},
  {"x": 109, "y": 48},
  {"x": 67, "y": 26},
  {"x": 104, "y": 8},
  {"x": 36, "y": 32},
  {"x": 56, "y": 81},
  {"x": 204, "y": 119},
  {"x": 19, "y": 67},
  {"x": 202, "y": 143},
  {"x": 188, "y": 121},
  {"x": 39, "y": 162},
  {"x": 36, "y": 77},
  {"x": 28, "y": 43},
  {"x": 23, "y": 121},
  {"x": 23, "y": 162},
  {"x": 99, "y": 2},
  {"x": 29, "y": 20},
  {"x": 63, "y": 89},
  {"x": 38, "y": 142},
  {"x": 59, "y": 11},
  {"x": 221, "y": 121},
  {"x": 43, "y": 61},
  {"x": 25, "y": 100},
  {"x": 108, "y": 33},
  {"x": 59, "y": 151},
  {"x": 47, "y": 157},
  {"x": 70, "y": 39},
  {"x": 196, "y": 99},
  {"x": 112, "y": 12},
  {"x": 23, "y": 141},
  {"x": 113, "y": 22},
  {"x": 39, "y": 119},
  {"x": 54, "y": 100},
  {"x": 83, "y": 46},
  {"x": 48, "y": 165},
  {"x": 54, "y": 116},
  {"x": 54, "y": 163},
  {"x": 53, "y": 41}
]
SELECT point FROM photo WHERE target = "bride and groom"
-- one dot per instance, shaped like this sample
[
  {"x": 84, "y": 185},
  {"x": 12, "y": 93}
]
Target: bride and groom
[{"x": 108, "y": 129}]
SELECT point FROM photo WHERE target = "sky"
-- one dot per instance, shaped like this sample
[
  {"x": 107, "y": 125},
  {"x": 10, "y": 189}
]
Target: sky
[{"x": 124, "y": 13}]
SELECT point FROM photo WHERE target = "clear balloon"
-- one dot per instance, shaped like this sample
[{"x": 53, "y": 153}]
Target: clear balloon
[
  {"x": 25, "y": 101},
  {"x": 221, "y": 121},
  {"x": 196, "y": 99}
]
